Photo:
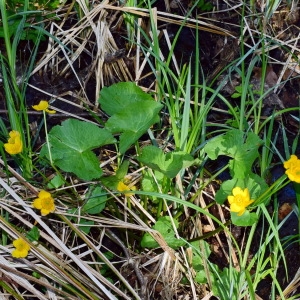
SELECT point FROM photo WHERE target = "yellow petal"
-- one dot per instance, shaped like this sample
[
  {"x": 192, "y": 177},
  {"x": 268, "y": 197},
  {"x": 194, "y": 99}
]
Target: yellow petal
[
  {"x": 241, "y": 212},
  {"x": 44, "y": 202},
  {"x": 13, "y": 134},
  {"x": 22, "y": 248},
  {"x": 293, "y": 174},
  {"x": 237, "y": 209},
  {"x": 45, "y": 212},
  {"x": 240, "y": 200},
  {"x": 249, "y": 202},
  {"x": 289, "y": 163},
  {"x": 50, "y": 111},
  {"x": 121, "y": 187},
  {"x": 13, "y": 149},
  {"x": 236, "y": 191},
  {"x": 246, "y": 193},
  {"x": 14, "y": 144},
  {"x": 43, "y": 105},
  {"x": 37, "y": 203},
  {"x": 230, "y": 199},
  {"x": 44, "y": 194},
  {"x": 19, "y": 253}
]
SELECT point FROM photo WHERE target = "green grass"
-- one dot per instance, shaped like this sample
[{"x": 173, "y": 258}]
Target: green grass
[{"x": 173, "y": 230}]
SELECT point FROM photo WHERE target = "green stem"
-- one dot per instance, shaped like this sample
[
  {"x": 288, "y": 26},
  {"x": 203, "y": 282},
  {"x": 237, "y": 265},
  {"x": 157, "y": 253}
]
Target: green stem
[
  {"x": 6, "y": 34},
  {"x": 279, "y": 184},
  {"x": 47, "y": 138},
  {"x": 297, "y": 190}
]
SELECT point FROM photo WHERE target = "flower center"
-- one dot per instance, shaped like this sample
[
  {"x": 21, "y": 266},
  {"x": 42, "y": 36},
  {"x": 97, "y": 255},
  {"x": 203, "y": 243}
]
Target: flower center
[
  {"x": 22, "y": 245},
  {"x": 239, "y": 199},
  {"x": 47, "y": 203}
]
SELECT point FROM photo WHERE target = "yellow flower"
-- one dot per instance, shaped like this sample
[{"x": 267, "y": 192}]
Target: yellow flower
[
  {"x": 22, "y": 248},
  {"x": 43, "y": 105},
  {"x": 293, "y": 168},
  {"x": 44, "y": 202},
  {"x": 240, "y": 200},
  {"x": 14, "y": 144},
  {"x": 121, "y": 187}
]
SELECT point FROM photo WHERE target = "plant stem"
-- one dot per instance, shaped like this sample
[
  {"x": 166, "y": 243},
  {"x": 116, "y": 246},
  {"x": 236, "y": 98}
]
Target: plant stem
[
  {"x": 6, "y": 34},
  {"x": 47, "y": 138}
]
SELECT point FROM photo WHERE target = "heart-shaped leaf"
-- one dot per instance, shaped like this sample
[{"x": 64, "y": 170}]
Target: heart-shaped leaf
[
  {"x": 169, "y": 164},
  {"x": 165, "y": 227},
  {"x": 132, "y": 112},
  {"x": 71, "y": 144},
  {"x": 96, "y": 201},
  {"x": 247, "y": 219},
  {"x": 241, "y": 147},
  {"x": 254, "y": 183}
]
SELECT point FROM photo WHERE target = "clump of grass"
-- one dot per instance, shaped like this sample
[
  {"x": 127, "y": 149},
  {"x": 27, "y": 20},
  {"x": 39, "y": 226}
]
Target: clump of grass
[{"x": 146, "y": 217}]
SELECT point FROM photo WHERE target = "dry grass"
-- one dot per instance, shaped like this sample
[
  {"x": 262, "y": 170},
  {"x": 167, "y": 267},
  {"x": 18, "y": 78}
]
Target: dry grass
[{"x": 67, "y": 259}]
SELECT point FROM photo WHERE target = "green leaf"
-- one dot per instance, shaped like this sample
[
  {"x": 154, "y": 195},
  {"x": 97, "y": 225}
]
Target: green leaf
[
  {"x": 36, "y": 275},
  {"x": 170, "y": 164},
  {"x": 153, "y": 182},
  {"x": 241, "y": 147},
  {"x": 96, "y": 201},
  {"x": 255, "y": 184},
  {"x": 226, "y": 283},
  {"x": 200, "y": 254},
  {"x": 33, "y": 5},
  {"x": 56, "y": 182},
  {"x": 132, "y": 112},
  {"x": 246, "y": 219},
  {"x": 119, "y": 97},
  {"x": 112, "y": 181},
  {"x": 164, "y": 226},
  {"x": 197, "y": 261},
  {"x": 33, "y": 234},
  {"x": 201, "y": 276},
  {"x": 205, "y": 6},
  {"x": 235, "y": 95},
  {"x": 71, "y": 144},
  {"x": 133, "y": 122},
  {"x": 85, "y": 225},
  {"x": 122, "y": 170}
]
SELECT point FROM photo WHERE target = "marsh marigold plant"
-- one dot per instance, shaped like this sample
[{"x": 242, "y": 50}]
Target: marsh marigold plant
[
  {"x": 43, "y": 106},
  {"x": 14, "y": 144},
  {"x": 292, "y": 167},
  {"x": 44, "y": 202},
  {"x": 22, "y": 248},
  {"x": 239, "y": 200}
]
